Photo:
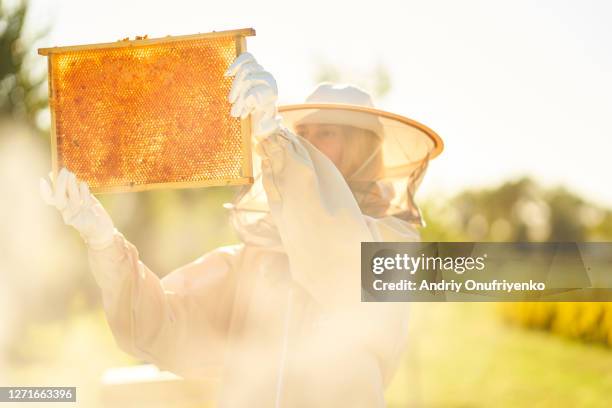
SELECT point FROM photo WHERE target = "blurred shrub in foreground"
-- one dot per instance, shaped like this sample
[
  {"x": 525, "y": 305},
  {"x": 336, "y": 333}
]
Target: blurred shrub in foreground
[{"x": 588, "y": 321}]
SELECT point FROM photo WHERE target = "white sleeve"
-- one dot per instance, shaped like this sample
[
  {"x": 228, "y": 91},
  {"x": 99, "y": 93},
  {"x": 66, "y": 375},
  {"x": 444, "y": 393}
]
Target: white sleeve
[
  {"x": 180, "y": 322},
  {"x": 319, "y": 220}
]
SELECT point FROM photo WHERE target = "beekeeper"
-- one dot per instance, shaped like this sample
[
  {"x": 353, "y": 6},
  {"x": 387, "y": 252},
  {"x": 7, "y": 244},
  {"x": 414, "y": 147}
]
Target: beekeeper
[{"x": 277, "y": 317}]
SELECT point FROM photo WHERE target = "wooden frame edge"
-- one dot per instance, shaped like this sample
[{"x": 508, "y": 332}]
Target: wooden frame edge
[
  {"x": 53, "y": 129},
  {"x": 171, "y": 185},
  {"x": 247, "y": 162},
  {"x": 245, "y": 32}
]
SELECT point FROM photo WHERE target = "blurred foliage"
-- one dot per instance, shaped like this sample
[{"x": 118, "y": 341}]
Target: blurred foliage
[
  {"x": 22, "y": 93},
  {"x": 588, "y": 321},
  {"x": 516, "y": 211},
  {"x": 523, "y": 211}
]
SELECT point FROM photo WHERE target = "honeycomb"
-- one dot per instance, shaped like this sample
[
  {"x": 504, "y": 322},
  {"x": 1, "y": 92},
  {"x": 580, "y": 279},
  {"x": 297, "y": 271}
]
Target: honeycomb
[{"x": 148, "y": 114}]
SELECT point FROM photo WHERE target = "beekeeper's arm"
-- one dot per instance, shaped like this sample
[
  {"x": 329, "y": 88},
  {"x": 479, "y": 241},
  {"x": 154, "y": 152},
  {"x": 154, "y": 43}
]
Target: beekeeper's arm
[
  {"x": 320, "y": 223},
  {"x": 178, "y": 322}
]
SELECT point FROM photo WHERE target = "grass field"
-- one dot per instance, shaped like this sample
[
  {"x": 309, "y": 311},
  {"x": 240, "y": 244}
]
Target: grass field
[{"x": 463, "y": 355}]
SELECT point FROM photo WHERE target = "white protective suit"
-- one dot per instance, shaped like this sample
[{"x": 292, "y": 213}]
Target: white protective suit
[{"x": 278, "y": 317}]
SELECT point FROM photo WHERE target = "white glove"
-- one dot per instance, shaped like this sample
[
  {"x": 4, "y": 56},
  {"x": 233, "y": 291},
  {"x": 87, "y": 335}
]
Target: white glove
[
  {"x": 254, "y": 92},
  {"x": 79, "y": 208}
]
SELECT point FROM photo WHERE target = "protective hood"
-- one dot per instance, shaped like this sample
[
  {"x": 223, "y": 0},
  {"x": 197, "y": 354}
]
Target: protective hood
[{"x": 383, "y": 161}]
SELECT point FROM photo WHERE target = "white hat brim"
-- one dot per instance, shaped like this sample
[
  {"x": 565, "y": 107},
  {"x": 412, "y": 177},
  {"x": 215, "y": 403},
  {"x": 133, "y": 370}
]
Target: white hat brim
[{"x": 406, "y": 142}]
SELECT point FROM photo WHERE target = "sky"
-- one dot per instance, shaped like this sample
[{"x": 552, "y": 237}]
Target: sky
[{"x": 513, "y": 87}]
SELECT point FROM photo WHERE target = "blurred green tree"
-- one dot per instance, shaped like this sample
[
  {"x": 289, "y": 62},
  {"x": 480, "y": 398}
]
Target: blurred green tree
[
  {"x": 22, "y": 94},
  {"x": 517, "y": 211}
]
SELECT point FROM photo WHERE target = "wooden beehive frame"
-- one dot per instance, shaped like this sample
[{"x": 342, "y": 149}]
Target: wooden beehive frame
[{"x": 246, "y": 166}]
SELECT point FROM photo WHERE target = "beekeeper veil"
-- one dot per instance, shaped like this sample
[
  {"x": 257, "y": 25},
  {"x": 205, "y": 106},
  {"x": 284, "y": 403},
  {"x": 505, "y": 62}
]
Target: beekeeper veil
[{"x": 383, "y": 160}]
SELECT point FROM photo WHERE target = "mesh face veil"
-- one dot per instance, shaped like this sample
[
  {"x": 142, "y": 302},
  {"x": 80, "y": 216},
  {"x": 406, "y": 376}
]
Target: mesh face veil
[{"x": 377, "y": 193}]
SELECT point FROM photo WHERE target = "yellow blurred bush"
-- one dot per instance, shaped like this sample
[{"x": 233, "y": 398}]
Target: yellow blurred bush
[{"x": 588, "y": 321}]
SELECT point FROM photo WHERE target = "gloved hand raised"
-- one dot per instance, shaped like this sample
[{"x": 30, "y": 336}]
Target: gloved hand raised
[
  {"x": 254, "y": 92},
  {"x": 79, "y": 208}
]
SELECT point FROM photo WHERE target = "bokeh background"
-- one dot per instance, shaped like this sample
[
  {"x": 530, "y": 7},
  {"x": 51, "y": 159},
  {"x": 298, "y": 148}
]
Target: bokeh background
[{"x": 520, "y": 91}]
